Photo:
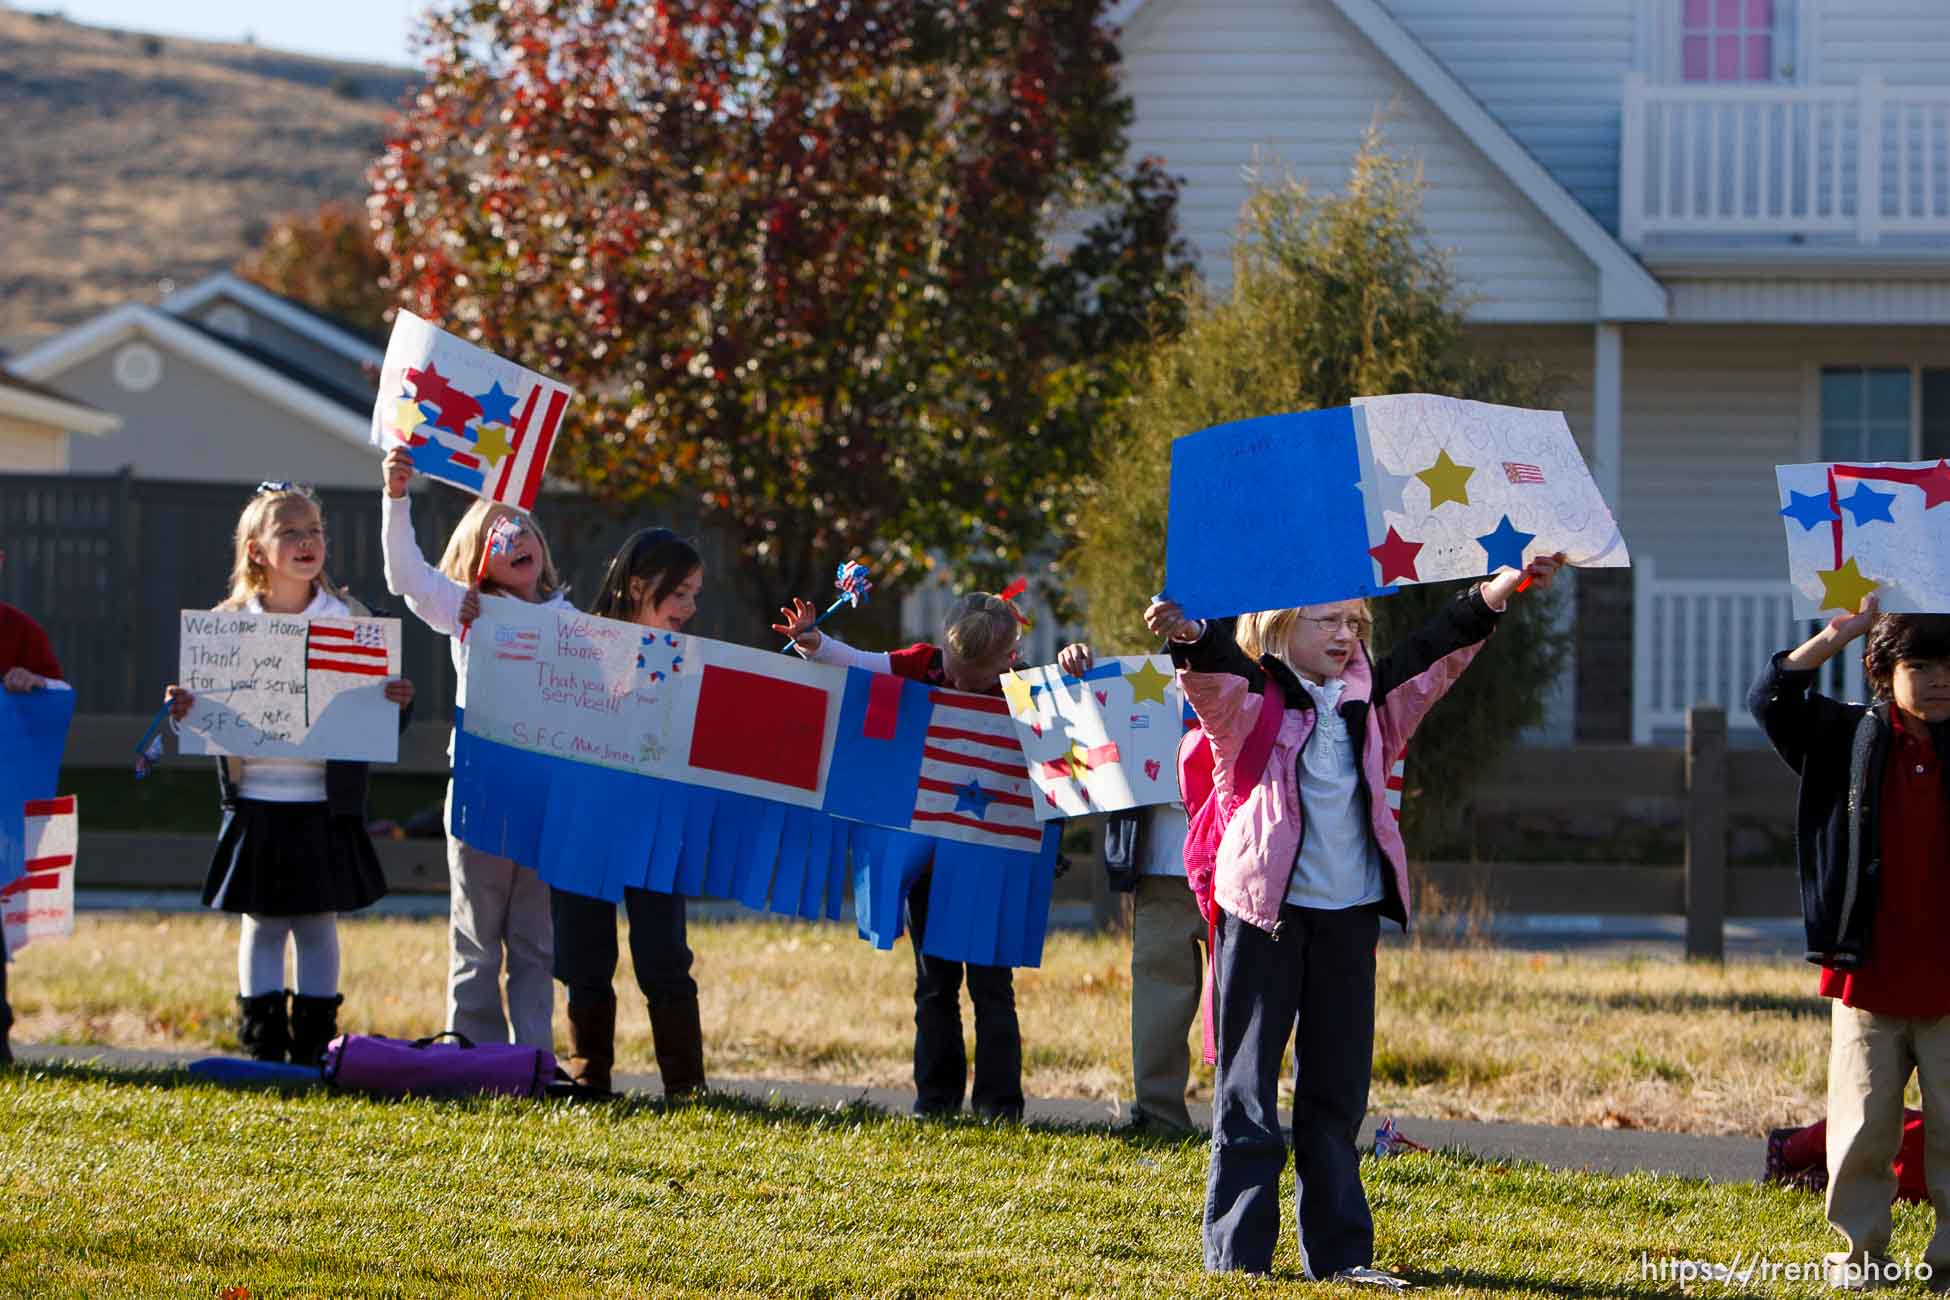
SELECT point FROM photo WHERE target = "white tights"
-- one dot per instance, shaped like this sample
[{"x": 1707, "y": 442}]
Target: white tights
[{"x": 260, "y": 954}]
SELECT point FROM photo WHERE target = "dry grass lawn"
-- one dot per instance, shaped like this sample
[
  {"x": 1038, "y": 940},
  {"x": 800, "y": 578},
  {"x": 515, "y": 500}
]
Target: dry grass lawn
[{"x": 1464, "y": 1032}]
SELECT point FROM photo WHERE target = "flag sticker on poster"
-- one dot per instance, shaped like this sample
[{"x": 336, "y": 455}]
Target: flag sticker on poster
[
  {"x": 1853, "y": 529},
  {"x": 40, "y": 903},
  {"x": 285, "y": 686},
  {"x": 467, "y": 416}
]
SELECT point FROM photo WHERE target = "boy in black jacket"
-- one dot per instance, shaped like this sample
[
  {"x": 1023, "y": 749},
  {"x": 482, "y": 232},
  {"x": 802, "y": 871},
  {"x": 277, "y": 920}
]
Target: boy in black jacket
[{"x": 1872, "y": 841}]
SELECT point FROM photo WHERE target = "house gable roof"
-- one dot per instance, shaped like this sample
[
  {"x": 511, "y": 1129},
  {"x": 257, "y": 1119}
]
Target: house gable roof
[
  {"x": 327, "y": 331},
  {"x": 302, "y": 395},
  {"x": 1626, "y": 290},
  {"x": 24, "y": 399}
]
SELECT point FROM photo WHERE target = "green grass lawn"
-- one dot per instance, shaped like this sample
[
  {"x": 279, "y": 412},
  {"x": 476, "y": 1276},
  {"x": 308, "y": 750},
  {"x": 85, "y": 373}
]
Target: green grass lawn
[{"x": 149, "y": 1184}]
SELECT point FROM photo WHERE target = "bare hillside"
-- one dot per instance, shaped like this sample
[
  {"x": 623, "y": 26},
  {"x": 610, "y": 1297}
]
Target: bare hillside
[{"x": 127, "y": 160}]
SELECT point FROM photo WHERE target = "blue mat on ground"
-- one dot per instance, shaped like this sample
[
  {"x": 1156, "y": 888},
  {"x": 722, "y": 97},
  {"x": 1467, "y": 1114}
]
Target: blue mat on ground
[
  {"x": 597, "y": 831},
  {"x": 233, "y": 1071}
]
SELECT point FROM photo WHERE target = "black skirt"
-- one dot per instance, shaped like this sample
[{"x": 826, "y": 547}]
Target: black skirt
[{"x": 292, "y": 859}]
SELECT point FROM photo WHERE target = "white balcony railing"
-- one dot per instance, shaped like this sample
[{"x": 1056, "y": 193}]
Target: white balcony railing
[
  {"x": 1704, "y": 640},
  {"x": 1865, "y": 160}
]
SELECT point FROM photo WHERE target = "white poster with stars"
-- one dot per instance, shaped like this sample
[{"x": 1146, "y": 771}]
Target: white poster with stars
[{"x": 1102, "y": 742}]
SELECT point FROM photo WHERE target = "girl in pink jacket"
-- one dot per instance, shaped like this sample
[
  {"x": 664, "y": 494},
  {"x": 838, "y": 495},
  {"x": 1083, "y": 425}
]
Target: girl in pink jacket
[{"x": 1309, "y": 864}]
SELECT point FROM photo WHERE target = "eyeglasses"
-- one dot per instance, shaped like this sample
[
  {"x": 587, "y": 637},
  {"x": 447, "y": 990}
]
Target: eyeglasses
[{"x": 1354, "y": 623}]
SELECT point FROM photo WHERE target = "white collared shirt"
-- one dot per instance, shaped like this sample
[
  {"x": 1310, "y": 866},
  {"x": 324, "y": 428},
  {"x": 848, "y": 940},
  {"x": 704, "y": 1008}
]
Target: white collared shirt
[{"x": 1339, "y": 866}]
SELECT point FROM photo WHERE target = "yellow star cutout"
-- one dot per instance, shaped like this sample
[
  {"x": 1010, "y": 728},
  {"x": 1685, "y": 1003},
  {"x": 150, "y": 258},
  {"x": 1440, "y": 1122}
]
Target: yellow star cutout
[
  {"x": 1845, "y": 588},
  {"x": 1016, "y": 691},
  {"x": 407, "y": 416},
  {"x": 1079, "y": 761},
  {"x": 1447, "y": 481},
  {"x": 491, "y": 442},
  {"x": 1147, "y": 683}
]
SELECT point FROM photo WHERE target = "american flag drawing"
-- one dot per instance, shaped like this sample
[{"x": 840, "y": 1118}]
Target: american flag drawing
[
  {"x": 339, "y": 655},
  {"x": 1518, "y": 472},
  {"x": 40, "y": 904},
  {"x": 468, "y": 417},
  {"x": 974, "y": 782},
  {"x": 518, "y": 643}
]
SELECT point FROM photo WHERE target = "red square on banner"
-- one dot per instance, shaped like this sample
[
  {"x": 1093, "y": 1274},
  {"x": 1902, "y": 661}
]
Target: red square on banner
[{"x": 760, "y": 727}]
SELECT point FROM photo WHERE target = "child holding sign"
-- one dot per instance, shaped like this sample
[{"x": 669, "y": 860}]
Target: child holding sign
[
  {"x": 1873, "y": 820},
  {"x": 1310, "y": 862},
  {"x": 978, "y": 645},
  {"x": 495, "y": 905},
  {"x": 28, "y": 664},
  {"x": 654, "y": 581},
  {"x": 293, "y": 850}
]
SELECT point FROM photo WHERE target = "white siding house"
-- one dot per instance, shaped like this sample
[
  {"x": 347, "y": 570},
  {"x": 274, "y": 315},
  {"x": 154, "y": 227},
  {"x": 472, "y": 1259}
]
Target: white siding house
[{"x": 1724, "y": 225}]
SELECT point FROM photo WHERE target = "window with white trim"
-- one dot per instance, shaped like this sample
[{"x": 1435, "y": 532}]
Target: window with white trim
[
  {"x": 1729, "y": 40},
  {"x": 1874, "y": 413}
]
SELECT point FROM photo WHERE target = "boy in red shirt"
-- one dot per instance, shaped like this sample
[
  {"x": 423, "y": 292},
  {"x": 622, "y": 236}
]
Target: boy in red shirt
[
  {"x": 27, "y": 663},
  {"x": 1873, "y": 847}
]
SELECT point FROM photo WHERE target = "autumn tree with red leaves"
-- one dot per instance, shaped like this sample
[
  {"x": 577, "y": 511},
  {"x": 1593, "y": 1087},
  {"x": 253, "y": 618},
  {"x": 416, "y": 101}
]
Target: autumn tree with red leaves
[
  {"x": 856, "y": 274},
  {"x": 325, "y": 259}
]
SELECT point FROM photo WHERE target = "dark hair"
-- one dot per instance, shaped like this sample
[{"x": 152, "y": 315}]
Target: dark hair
[
  {"x": 656, "y": 555},
  {"x": 1902, "y": 638}
]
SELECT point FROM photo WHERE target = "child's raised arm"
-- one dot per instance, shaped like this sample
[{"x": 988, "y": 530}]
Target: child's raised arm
[
  {"x": 429, "y": 593},
  {"x": 796, "y": 621},
  {"x": 1784, "y": 700}
]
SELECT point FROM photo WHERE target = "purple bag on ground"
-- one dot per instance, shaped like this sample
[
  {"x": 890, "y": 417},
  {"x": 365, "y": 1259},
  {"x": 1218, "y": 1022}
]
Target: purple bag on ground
[{"x": 435, "y": 1067}]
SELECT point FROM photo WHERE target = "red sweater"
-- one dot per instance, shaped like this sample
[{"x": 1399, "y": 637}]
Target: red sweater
[
  {"x": 24, "y": 645},
  {"x": 1905, "y": 972}
]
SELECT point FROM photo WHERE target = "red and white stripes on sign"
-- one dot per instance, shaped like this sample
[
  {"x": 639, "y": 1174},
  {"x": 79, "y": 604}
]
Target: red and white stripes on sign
[
  {"x": 358, "y": 648},
  {"x": 1397, "y": 779},
  {"x": 40, "y": 904},
  {"x": 971, "y": 741}
]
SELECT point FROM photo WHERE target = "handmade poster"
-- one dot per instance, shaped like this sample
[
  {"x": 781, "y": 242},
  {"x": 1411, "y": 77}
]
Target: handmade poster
[
  {"x": 40, "y": 903},
  {"x": 469, "y": 417},
  {"x": 1853, "y": 529},
  {"x": 285, "y": 686},
  {"x": 606, "y": 755},
  {"x": 33, "y": 735},
  {"x": 1459, "y": 489},
  {"x": 1102, "y": 742},
  {"x": 1329, "y": 505}
]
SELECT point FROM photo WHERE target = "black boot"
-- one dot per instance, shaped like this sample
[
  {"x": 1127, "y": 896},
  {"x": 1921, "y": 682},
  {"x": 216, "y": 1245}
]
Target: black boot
[
  {"x": 262, "y": 1026},
  {"x": 678, "y": 1037},
  {"x": 314, "y": 1023}
]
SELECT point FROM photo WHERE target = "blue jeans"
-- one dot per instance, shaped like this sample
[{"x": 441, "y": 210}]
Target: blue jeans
[
  {"x": 585, "y": 946},
  {"x": 1320, "y": 975},
  {"x": 940, "y": 1059}
]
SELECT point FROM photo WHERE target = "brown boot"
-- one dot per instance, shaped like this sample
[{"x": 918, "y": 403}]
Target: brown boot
[
  {"x": 592, "y": 1042},
  {"x": 679, "y": 1040}
]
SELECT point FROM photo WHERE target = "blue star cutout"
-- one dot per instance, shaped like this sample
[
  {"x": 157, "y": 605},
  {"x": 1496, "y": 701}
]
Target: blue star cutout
[
  {"x": 973, "y": 798},
  {"x": 1504, "y": 547},
  {"x": 1868, "y": 505},
  {"x": 1809, "y": 509},
  {"x": 497, "y": 407},
  {"x": 436, "y": 460}
]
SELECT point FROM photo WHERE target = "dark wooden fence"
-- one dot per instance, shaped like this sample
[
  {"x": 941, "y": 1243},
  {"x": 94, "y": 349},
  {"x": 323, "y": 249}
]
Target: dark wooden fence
[{"x": 107, "y": 562}]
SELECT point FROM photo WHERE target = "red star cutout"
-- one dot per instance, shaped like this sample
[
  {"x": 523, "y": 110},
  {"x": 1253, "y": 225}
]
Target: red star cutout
[
  {"x": 429, "y": 385},
  {"x": 1396, "y": 557},
  {"x": 1936, "y": 485}
]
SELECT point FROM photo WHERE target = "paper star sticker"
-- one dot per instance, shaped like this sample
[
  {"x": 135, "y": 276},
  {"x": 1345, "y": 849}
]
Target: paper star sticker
[
  {"x": 1396, "y": 556},
  {"x": 429, "y": 385},
  {"x": 1868, "y": 505},
  {"x": 1844, "y": 588},
  {"x": 497, "y": 407},
  {"x": 1147, "y": 683},
  {"x": 1809, "y": 509},
  {"x": 1447, "y": 481},
  {"x": 1504, "y": 546},
  {"x": 1079, "y": 760},
  {"x": 457, "y": 410},
  {"x": 973, "y": 798},
  {"x": 1936, "y": 485},
  {"x": 407, "y": 416},
  {"x": 1022, "y": 700},
  {"x": 491, "y": 443}
]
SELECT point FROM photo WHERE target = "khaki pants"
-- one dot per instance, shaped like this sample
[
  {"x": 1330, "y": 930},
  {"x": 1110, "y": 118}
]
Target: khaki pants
[
  {"x": 494, "y": 904},
  {"x": 1167, "y": 971},
  {"x": 1870, "y": 1059}
]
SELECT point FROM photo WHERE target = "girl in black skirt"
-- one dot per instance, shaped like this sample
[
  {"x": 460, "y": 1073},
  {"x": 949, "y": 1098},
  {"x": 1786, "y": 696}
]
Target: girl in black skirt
[{"x": 293, "y": 849}]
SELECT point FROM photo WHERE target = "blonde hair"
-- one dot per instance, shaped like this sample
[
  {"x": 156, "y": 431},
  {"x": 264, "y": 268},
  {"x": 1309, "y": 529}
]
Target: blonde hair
[
  {"x": 462, "y": 558},
  {"x": 1270, "y": 630},
  {"x": 980, "y": 627},
  {"x": 248, "y": 576}
]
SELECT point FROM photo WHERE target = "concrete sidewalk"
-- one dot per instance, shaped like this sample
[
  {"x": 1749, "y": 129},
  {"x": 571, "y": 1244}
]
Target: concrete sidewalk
[{"x": 1718, "y": 1159}]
